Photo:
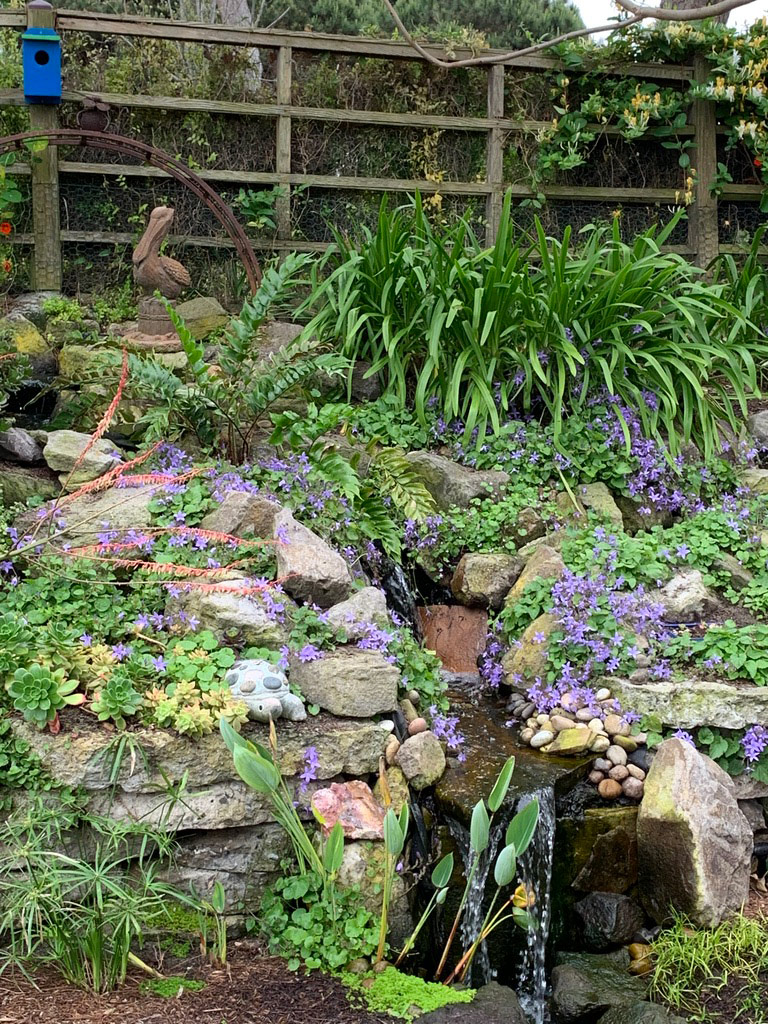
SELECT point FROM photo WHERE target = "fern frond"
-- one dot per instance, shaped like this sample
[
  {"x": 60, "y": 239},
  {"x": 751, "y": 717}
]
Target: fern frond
[{"x": 398, "y": 479}]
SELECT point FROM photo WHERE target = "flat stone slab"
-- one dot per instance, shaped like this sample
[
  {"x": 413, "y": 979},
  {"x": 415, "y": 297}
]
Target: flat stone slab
[{"x": 692, "y": 703}]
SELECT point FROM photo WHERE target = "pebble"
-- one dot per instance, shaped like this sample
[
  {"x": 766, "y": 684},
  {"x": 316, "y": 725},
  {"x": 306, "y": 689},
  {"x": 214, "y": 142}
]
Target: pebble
[
  {"x": 359, "y": 966},
  {"x": 619, "y": 773},
  {"x": 542, "y": 718},
  {"x": 628, "y": 743},
  {"x": 409, "y": 711},
  {"x": 542, "y": 738},
  {"x": 609, "y": 789},
  {"x": 526, "y": 735},
  {"x": 568, "y": 701},
  {"x": 616, "y": 755},
  {"x": 560, "y": 722},
  {"x": 527, "y": 710},
  {"x": 595, "y": 778},
  {"x": 584, "y": 715},
  {"x": 642, "y": 758},
  {"x": 616, "y": 726},
  {"x": 391, "y": 749},
  {"x": 603, "y": 693},
  {"x": 602, "y": 765},
  {"x": 643, "y": 661},
  {"x": 414, "y": 697},
  {"x": 600, "y": 744},
  {"x": 641, "y": 738},
  {"x": 639, "y": 950},
  {"x": 416, "y": 726},
  {"x": 633, "y": 788},
  {"x": 635, "y": 772},
  {"x": 640, "y": 675},
  {"x": 641, "y": 967},
  {"x": 596, "y": 725}
]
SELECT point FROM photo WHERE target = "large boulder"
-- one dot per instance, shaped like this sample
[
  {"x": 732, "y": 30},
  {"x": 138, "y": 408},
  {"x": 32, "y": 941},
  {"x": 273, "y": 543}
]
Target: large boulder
[
  {"x": 24, "y": 335},
  {"x": 695, "y": 702},
  {"x": 595, "y": 498},
  {"x": 758, "y": 427},
  {"x": 309, "y": 569},
  {"x": 64, "y": 448},
  {"x": 421, "y": 759},
  {"x": 118, "y": 509},
  {"x": 485, "y": 579},
  {"x": 234, "y": 613},
  {"x": 493, "y": 1004},
  {"x": 640, "y": 1013},
  {"x": 694, "y": 843},
  {"x": 544, "y": 564},
  {"x": 354, "y": 805},
  {"x": 19, "y": 445},
  {"x": 348, "y": 682},
  {"x": 20, "y": 483},
  {"x": 755, "y": 479},
  {"x": 203, "y": 315},
  {"x": 585, "y": 985},
  {"x": 686, "y": 599},
  {"x": 367, "y": 606},
  {"x": 241, "y": 514},
  {"x": 451, "y": 484}
]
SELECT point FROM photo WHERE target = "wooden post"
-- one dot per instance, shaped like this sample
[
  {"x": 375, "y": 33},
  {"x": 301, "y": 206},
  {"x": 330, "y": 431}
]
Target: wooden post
[
  {"x": 703, "y": 231},
  {"x": 46, "y": 266},
  {"x": 283, "y": 151},
  {"x": 494, "y": 159}
]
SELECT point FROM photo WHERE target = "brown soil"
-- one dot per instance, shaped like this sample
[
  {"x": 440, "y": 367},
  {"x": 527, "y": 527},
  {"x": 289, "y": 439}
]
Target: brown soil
[{"x": 255, "y": 989}]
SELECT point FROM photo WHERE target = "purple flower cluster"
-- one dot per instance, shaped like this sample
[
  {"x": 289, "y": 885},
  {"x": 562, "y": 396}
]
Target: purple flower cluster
[
  {"x": 309, "y": 772},
  {"x": 446, "y": 727},
  {"x": 491, "y": 670},
  {"x": 754, "y": 742}
]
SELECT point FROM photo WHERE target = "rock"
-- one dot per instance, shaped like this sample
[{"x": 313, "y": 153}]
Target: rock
[
  {"x": 422, "y": 760},
  {"x": 696, "y": 702},
  {"x": 616, "y": 755},
  {"x": 746, "y": 787},
  {"x": 738, "y": 576},
  {"x": 600, "y": 744},
  {"x": 609, "y": 789},
  {"x": 354, "y": 805},
  {"x": 585, "y": 985},
  {"x": 122, "y": 508},
  {"x": 611, "y": 865},
  {"x": 615, "y": 725},
  {"x": 640, "y": 1013},
  {"x": 416, "y": 726},
  {"x": 215, "y": 797},
  {"x": 596, "y": 725},
  {"x": 530, "y": 657},
  {"x": 754, "y": 812},
  {"x": 65, "y": 447},
  {"x": 571, "y": 741},
  {"x": 594, "y": 497},
  {"x": 493, "y": 1004},
  {"x": 542, "y": 738},
  {"x": 234, "y": 613},
  {"x": 264, "y": 690},
  {"x": 633, "y": 788},
  {"x": 396, "y": 793},
  {"x": 24, "y": 336},
  {"x": 755, "y": 479},
  {"x": 757, "y": 425},
  {"x": 310, "y": 570},
  {"x": 627, "y": 743},
  {"x": 410, "y": 714},
  {"x": 635, "y": 772},
  {"x": 18, "y": 445},
  {"x": 363, "y": 866},
  {"x": 544, "y": 564},
  {"x": 635, "y": 519},
  {"x": 365, "y": 606},
  {"x": 391, "y": 749},
  {"x": 456, "y": 634},
  {"x": 241, "y": 514},
  {"x": 560, "y": 722},
  {"x": 485, "y": 579},
  {"x": 603, "y": 764},
  {"x": 595, "y": 777},
  {"x": 31, "y": 306},
  {"x": 203, "y": 315},
  {"x": 609, "y": 919},
  {"x": 619, "y": 772},
  {"x": 348, "y": 682},
  {"x": 453, "y": 485},
  {"x": 695, "y": 845},
  {"x": 685, "y": 598},
  {"x": 20, "y": 483}
]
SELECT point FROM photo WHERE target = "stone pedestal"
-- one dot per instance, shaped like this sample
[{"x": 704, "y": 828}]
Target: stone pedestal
[{"x": 153, "y": 317}]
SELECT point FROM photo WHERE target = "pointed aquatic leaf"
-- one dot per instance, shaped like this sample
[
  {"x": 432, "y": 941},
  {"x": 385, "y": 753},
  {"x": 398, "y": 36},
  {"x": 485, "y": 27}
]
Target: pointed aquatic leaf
[
  {"x": 256, "y": 771},
  {"x": 404, "y": 820},
  {"x": 441, "y": 896},
  {"x": 499, "y": 791},
  {"x": 479, "y": 829},
  {"x": 506, "y": 866},
  {"x": 394, "y": 840},
  {"x": 441, "y": 876},
  {"x": 334, "y": 849},
  {"x": 523, "y": 825}
]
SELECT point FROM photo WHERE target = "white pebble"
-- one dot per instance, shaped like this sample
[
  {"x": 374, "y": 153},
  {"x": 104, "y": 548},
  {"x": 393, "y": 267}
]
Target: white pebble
[
  {"x": 596, "y": 725},
  {"x": 541, "y": 739},
  {"x": 616, "y": 754},
  {"x": 584, "y": 715},
  {"x": 600, "y": 744},
  {"x": 526, "y": 735},
  {"x": 603, "y": 693},
  {"x": 542, "y": 718}
]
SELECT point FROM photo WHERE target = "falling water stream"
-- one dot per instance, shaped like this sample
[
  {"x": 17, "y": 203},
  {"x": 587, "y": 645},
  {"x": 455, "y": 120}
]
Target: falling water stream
[{"x": 536, "y": 872}]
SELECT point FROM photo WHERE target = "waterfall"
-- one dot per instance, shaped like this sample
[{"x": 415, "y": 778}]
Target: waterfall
[{"x": 536, "y": 872}]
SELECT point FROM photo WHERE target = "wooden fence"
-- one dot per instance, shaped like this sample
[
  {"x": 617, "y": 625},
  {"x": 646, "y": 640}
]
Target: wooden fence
[{"x": 703, "y": 235}]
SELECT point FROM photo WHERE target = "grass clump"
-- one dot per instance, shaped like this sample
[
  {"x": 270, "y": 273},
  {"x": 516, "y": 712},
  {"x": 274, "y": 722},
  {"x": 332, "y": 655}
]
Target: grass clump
[
  {"x": 718, "y": 975},
  {"x": 400, "y": 994},
  {"x": 171, "y": 987}
]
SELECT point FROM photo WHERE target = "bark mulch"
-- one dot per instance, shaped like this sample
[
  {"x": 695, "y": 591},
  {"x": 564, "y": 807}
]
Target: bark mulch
[{"x": 254, "y": 989}]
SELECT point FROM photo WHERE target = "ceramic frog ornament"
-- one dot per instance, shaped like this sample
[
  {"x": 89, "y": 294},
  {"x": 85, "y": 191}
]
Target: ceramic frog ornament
[{"x": 264, "y": 690}]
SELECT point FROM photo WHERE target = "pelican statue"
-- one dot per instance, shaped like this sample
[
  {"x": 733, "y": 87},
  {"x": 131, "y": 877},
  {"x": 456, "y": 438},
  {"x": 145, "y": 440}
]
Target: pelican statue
[{"x": 152, "y": 271}]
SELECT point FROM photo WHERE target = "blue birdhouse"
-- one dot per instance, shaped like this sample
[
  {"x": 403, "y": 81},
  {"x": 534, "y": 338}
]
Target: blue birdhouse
[{"x": 41, "y": 58}]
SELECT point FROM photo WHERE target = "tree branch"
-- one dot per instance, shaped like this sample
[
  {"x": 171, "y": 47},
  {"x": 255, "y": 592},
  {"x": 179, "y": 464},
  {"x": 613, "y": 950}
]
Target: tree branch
[{"x": 638, "y": 12}]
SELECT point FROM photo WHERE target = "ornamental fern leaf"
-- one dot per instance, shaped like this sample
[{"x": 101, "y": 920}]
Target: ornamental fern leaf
[{"x": 398, "y": 479}]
